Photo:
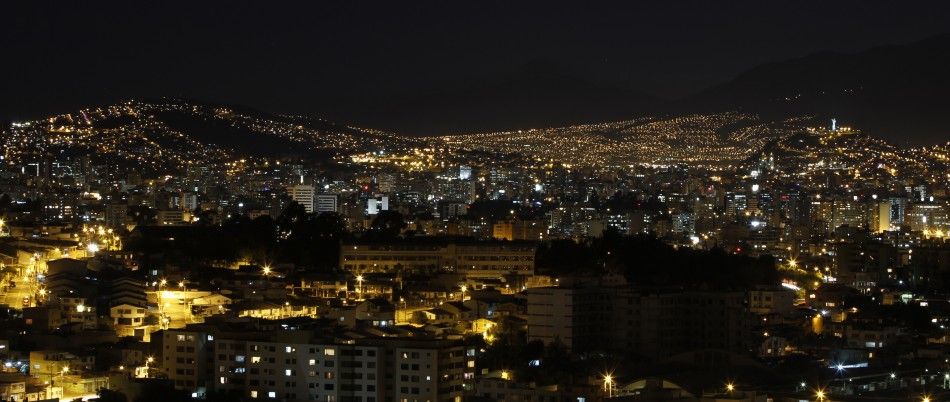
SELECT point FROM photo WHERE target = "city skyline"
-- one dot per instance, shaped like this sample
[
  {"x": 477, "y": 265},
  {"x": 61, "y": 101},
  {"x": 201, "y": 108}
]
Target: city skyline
[{"x": 408, "y": 202}]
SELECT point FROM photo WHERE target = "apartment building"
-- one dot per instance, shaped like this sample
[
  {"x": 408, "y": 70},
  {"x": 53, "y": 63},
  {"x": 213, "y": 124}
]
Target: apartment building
[
  {"x": 296, "y": 365},
  {"x": 474, "y": 259}
]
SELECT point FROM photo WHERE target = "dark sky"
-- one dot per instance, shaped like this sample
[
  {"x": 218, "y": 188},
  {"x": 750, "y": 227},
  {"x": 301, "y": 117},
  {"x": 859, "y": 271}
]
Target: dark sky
[{"x": 295, "y": 57}]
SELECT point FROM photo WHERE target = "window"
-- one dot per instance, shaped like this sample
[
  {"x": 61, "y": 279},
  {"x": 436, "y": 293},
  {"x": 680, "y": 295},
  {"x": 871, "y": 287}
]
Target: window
[
  {"x": 271, "y": 394},
  {"x": 313, "y": 362},
  {"x": 329, "y": 352},
  {"x": 255, "y": 359},
  {"x": 253, "y": 394},
  {"x": 288, "y": 372}
]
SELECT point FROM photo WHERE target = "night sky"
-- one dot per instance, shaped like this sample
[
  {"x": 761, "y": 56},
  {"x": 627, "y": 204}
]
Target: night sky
[{"x": 62, "y": 55}]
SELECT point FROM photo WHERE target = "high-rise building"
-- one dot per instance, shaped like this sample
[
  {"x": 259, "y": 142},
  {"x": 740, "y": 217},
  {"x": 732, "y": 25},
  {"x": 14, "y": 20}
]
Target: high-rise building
[
  {"x": 189, "y": 202},
  {"x": 326, "y": 203},
  {"x": 655, "y": 324},
  {"x": 302, "y": 194},
  {"x": 376, "y": 204},
  {"x": 465, "y": 172},
  {"x": 881, "y": 217},
  {"x": 116, "y": 215}
]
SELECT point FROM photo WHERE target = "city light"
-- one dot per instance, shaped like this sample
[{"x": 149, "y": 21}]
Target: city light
[{"x": 536, "y": 242}]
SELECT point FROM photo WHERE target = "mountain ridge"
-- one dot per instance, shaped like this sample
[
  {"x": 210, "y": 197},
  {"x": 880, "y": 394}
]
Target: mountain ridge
[{"x": 897, "y": 91}]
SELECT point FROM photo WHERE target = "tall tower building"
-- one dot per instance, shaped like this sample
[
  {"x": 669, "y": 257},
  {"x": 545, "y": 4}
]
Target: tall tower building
[
  {"x": 881, "y": 217},
  {"x": 302, "y": 194}
]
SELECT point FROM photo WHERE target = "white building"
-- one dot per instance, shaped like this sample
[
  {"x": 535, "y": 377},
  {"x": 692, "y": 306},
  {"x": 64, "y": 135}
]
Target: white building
[
  {"x": 304, "y": 195},
  {"x": 376, "y": 204}
]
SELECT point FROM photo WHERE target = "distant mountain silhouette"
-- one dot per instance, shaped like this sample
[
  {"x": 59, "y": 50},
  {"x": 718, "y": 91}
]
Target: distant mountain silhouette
[
  {"x": 898, "y": 92},
  {"x": 537, "y": 96}
]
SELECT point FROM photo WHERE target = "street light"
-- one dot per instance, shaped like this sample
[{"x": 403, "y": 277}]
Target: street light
[
  {"x": 730, "y": 387},
  {"x": 609, "y": 385},
  {"x": 820, "y": 395},
  {"x": 266, "y": 269},
  {"x": 926, "y": 398},
  {"x": 150, "y": 359}
]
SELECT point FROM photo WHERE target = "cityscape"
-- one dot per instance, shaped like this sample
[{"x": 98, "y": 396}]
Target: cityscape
[{"x": 161, "y": 248}]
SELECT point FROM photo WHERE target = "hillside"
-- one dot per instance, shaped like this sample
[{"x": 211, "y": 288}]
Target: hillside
[{"x": 897, "y": 92}]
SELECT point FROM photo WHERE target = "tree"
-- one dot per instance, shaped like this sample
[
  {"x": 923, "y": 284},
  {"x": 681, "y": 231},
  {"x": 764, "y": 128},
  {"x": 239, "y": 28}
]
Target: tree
[
  {"x": 142, "y": 214},
  {"x": 388, "y": 224}
]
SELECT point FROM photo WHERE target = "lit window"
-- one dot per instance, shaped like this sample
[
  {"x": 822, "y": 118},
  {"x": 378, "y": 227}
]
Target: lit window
[
  {"x": 271, "y": 394},
  {"x": 255, "y": 359},
  {"x": 253, "y": 394},
  {"x": 330, "y": 352},
  {"x": 313, "y": 362},
  {"x": 287, "y": 372}
]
